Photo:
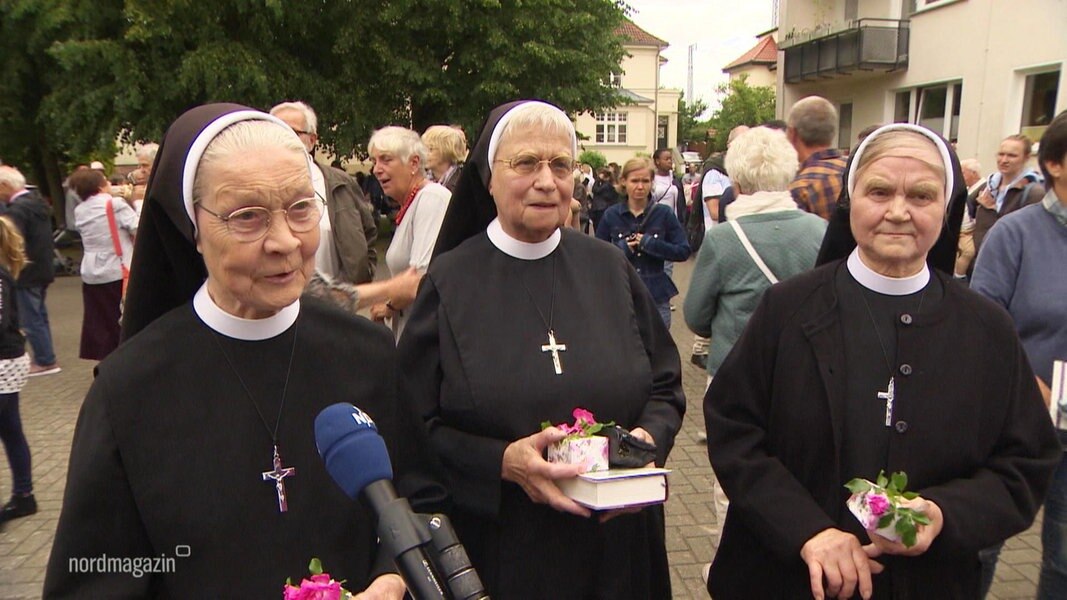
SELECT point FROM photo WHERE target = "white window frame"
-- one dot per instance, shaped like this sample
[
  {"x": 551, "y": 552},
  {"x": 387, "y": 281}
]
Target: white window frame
[
  {"x": 611, "y": 127},
  {"x": 615, "y": 80},
  {"x": 1017, "y": 101},
  {"x": 922, "y": 6},
  {"x": 915, "y": 108}
]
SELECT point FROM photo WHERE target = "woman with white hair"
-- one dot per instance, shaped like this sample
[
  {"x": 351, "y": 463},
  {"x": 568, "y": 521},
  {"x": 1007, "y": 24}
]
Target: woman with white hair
[
  {"x": 399, "y": 159},
  {"x": 146, "y": 156},
  {"x": 446, "y": 148},
  {"x": 520, "y": 321}
]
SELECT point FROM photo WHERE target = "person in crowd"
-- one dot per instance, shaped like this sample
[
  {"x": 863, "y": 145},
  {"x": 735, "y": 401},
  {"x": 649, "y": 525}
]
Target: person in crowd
[
  {"x": 107, "y": 227},
  {"x": 605, "y": 195},
  {"x": 198, "y": 429},
  {"x": 70, "y": 200},
  {"x": 666, "y": 186},
  {"x": 691, "y": 177},
  {"x": 580, "y": 204},
  {"x": 647, "y": 232},
  {"x": 874, "y": 363},
  {"x": 446, "y": 148},
  {"x": 478, "y": 377},
  {"x": 32, "y": 215},
  {"x": 346, "y": 252},
  {"x": 1020, "y": 267},
  {"x": 14, "y": 370},
  {"x": 138, "y": 178},
  {"x": 1012, "y": 187},
  {"x": 965, "y": 253},
  {"x": 587, "y": 177},
  {"x": 812, "y": 129},
  {"x": 769, "y": 239},
  {"x": 399, "y": 157}
]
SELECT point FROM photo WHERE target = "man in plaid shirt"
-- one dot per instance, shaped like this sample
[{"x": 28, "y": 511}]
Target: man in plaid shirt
[{"x": 812, "y": 129}]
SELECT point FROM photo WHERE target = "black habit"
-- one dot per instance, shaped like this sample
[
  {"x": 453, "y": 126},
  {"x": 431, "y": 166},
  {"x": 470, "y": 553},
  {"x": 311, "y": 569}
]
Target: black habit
[
  {"x": 968, "y": 428},
  {"x": 169, "y": 452},
  {"x": 474, "y": 371}
]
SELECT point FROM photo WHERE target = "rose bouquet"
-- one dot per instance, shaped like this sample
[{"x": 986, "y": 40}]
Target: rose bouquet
[
  {"x": 582, "y": 444},
  {"x": 320, "y": 587},
  {"x": 878, "y": 507}
]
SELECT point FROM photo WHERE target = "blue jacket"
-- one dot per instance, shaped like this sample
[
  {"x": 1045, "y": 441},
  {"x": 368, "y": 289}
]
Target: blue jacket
[{"x": 664, "y": 239}]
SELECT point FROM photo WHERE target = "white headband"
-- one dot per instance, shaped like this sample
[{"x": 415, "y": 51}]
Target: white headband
[
  {"x": 494, "y": 139},
  {"x": 214, "y": 128},
  {"x": 942, "y": 147}
]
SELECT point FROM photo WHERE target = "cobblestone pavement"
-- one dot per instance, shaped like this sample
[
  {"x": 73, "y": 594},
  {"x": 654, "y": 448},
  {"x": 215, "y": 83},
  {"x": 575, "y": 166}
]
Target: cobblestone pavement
[{"x": 50, "y": 408}]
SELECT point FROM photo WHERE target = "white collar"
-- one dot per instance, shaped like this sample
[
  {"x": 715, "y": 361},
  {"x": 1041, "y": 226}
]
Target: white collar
[
  {"x": 519, "y": 249},
  {"x": 890, "y": 286},
  {"x": 252, "y": 330}
]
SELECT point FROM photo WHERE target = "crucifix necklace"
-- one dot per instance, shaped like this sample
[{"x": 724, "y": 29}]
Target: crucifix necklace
[
  {"x": 278, "y": 473},
  {"x": 889, "y": 395},
  {"x": 552, "y": 346}
]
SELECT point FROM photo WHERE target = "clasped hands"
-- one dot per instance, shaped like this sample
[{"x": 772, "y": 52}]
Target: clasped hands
[
  {"x": 525, "y": 465},
  {"x": 837, "y": 558}
]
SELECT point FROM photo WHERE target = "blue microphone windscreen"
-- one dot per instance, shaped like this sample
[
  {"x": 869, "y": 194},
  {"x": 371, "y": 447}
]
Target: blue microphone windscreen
[{"x": 354, "y": 453}]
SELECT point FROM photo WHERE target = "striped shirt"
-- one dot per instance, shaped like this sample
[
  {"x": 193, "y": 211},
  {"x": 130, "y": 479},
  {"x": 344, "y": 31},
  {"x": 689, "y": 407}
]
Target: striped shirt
[{"x": 818, "y": 182}]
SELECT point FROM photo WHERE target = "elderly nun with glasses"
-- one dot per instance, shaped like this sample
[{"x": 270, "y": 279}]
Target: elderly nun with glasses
[
  {"x": 517, "y": 322},
  {"x": 876, "y": 361},
  {"x": 196, "y": 440}
]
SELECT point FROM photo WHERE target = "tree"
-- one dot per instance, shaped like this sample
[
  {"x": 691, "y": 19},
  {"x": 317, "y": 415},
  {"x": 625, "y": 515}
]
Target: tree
[
  {"x": 690, "y": 127},
  {"x": 81, "y": 72},
  {"x": 594, "y": 159},
  {"x": 742, "y": 105}
]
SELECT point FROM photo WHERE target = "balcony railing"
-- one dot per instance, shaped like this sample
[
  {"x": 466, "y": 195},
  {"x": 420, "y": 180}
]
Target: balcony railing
[{"x": 866, "y": 45}]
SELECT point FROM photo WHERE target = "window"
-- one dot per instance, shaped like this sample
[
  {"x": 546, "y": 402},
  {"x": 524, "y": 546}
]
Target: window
[
  {"x": 661, "y": 131},
  {"x": 844, "y": 127},
  {"x": 611, "y": 128},
  {"x": 1039, "y": 101},
  {"x": 615, "y": 80},
  {"x": 935, "y": 107}
]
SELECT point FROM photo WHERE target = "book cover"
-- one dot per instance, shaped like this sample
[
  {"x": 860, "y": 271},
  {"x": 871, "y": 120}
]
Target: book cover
[{"x": 617, "y": 488}]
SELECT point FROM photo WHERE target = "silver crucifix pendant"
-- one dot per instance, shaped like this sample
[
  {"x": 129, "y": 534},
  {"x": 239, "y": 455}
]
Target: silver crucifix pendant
[
  {"x": 555, "y": 349},
  {"x": 888, "y": 396},
  {"x": 278, "y": 475}
]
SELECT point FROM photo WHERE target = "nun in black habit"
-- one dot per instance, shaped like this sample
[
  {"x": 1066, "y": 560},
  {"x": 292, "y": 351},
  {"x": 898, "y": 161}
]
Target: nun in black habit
[
  {"x": 868, "y": 363},
  {"x": 196, "y": 440},
  {"x": 519, "y": 321}
]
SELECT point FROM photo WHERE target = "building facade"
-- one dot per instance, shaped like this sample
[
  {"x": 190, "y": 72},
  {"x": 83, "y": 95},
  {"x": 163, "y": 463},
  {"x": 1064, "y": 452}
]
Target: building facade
[
  {"x": 975, "y": 71},
  {"x": 649, "y": 120},
  {"x": 759, "y": 64}
]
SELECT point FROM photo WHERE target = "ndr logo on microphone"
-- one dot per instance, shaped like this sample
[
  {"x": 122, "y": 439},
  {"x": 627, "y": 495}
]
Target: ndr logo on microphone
[{"x": 362, "y": 418}]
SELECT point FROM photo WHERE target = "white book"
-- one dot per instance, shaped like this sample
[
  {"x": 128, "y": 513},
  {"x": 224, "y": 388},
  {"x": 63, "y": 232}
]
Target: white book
[{"x": 617, "y": 488}]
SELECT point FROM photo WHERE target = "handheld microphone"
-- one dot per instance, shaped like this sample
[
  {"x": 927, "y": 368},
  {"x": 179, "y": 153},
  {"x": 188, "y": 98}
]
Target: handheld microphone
[{"x": 357, "y": 459}]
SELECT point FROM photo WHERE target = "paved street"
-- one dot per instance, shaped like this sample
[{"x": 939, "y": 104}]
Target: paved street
[{"x": 50, "y": 408}]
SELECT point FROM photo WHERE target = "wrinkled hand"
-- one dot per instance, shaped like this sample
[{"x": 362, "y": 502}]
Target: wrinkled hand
[
  {"x": 381, "y": 312},
  {"x": 926, "y": 533},
  {"x": 838, "y": 557},
  {"x": 606, "y": 516},
  {"x": 524, "y": 464},
  {"x": 386, "y": 587},
  {"x": 986, "y": 199}
]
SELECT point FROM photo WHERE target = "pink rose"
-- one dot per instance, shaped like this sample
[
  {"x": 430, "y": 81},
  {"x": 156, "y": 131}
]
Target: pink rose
[
  {"x": 580, "y": 414},
  {"x": 878, "y": 504},
  {"x": 320, "y": 587}
]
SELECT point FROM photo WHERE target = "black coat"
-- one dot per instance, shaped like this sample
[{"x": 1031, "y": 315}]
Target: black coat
[
  {"x": 980, "y": 444},
  {"x": 33, "y": 217}
]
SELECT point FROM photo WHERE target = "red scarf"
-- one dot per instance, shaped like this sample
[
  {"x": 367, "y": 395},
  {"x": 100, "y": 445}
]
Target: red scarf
[{"x": 407, "y": 202}]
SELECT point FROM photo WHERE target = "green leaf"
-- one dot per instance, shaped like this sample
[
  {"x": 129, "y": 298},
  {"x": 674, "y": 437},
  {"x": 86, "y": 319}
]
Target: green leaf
[
  {"x": 545, "y": 425},
  {"x": 921, "y": 519},
  {"x": 908, "y": 538},
  {"x": 315, "y": 567},
  {"x": 899, "y": 481},
  {"x": 858, "y": 486},
  {"x": 885, "y": 520},
  {"x": 910, "y": 495},
  {"x": 882, "y": 481}
]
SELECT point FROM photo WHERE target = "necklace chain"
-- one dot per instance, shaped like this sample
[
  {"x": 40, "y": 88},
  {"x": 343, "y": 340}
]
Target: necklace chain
[
  {"x": 874, "y": 324},
  {"x": 285, "y": 388},
  {"x": 552, "y": 298}
]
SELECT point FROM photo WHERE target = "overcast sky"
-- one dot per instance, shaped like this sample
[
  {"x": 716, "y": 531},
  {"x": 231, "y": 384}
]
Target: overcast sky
[{"x": 721, "y": 29}]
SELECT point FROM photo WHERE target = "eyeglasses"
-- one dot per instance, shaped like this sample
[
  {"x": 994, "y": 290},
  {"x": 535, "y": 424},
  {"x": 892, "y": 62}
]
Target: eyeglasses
[
  {"x": 526, "y": 164},
  {"x": 251, "y": 223}
]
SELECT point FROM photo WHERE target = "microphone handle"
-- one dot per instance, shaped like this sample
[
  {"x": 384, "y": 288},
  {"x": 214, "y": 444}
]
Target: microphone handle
[{"x": 405, "y": 538}]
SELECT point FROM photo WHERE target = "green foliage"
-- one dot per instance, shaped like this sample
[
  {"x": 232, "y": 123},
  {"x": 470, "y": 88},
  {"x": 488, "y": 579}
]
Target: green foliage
[
  {"x": 690, "y": 126},
  {"x": 905, "y": 521},
  {"x": 80, "y": 72},
  {"x": 742, "y": 105},
  {"x": 594, "y": 159}
]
